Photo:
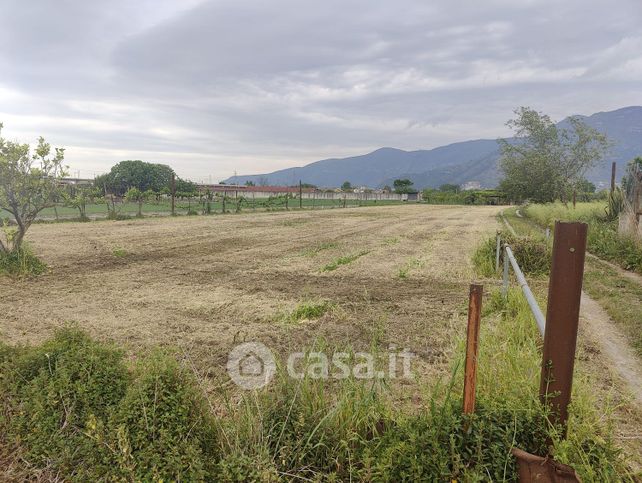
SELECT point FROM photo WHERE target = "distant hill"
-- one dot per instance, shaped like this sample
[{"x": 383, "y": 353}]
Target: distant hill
[{"x": 455, "y": 163}]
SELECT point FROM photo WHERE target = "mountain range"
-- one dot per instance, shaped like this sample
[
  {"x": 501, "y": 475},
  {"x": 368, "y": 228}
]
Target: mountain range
[{"x": 458, "y": 163}]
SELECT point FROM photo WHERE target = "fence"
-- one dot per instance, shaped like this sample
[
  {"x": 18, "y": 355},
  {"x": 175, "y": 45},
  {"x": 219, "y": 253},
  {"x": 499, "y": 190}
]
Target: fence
[{"x": 558, "y": 328}]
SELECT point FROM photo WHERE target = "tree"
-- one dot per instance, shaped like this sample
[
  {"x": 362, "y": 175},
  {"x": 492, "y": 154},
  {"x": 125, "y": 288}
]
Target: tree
[
  {"x": 402, "y": 185},
  {"x": 135, "y": 174},
  {"x": 346, "y": 186},
  {"x": 137, "y": 196},
  {"x": 28, "y": 184},
  {"x": 545, "y": 162},
  {"x": 249, "y": 183},
  {"x": 78, "y": 197}
]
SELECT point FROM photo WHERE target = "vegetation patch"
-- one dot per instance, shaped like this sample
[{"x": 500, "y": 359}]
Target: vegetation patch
[
  {"x": 532, "y": 254},
  {"x": 313, "y": 251},
  {"x": 603, "y": 238},
  {"x": 346, "y": 260},
  {"x": 119, "y": 252},
  {"x": 21, "y": 263},
  {"x": 408, "y": 266},
  {"x": 74, "y": 406},
  {"x": 309, "y": 310}
]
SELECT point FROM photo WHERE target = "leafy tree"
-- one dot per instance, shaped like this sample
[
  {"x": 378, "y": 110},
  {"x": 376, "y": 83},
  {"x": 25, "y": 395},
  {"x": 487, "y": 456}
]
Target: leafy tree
[
  {"x": 28, "y": 184},
  {"x": 78, "y": 197},
  {"x": 386, "y": 189},
  {"x": 185, "y": 186},
  {"x": 137, "y": 196},
  {"x": 346, "y": 186},
  {"x": 249, "y": 183},
  {"x": 402, "y": 185},
  {"x": 450, "y": 188},
  {"x": 545, "y": 161},
  {"x": 135, "y": 174}
]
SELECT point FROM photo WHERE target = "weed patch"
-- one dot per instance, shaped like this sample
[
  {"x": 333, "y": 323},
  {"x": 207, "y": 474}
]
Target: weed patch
[
  {"x": 307, "y": 311},
  {"x": 313, "y": 251},
  {"x": 346, "y": 260},
  {"x": 532, "y": 254},
  {"x": 21, "y": 263},
  {"x": 119, "y": 252}
]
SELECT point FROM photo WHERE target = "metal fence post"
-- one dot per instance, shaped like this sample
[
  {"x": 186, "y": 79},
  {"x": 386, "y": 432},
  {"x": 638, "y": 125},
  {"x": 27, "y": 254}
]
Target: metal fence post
[
  {"x": 562, "y": 317},
  {"x": 505, "y": 284},
  {"x": 472, "y": 347},
  {"x": 497, "y": 250}
]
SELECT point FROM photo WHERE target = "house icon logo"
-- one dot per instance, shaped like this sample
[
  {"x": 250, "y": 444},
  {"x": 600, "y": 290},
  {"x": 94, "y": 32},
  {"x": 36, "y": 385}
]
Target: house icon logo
[{"x": 251, "y": 365}]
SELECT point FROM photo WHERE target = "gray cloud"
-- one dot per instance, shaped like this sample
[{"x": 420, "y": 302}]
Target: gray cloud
[{"x": 214, "y": 87}]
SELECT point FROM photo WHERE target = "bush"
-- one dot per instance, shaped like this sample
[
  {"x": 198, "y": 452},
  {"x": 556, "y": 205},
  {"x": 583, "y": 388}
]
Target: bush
[
  {"x": 54, "y": 393},
  {"x": 532, "y": 255},
  {"x": 162, "y": 430},
  {"x": 21, "y": 263}
]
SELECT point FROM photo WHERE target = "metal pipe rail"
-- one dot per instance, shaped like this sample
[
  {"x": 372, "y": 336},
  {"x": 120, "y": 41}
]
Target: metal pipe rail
[{"x": 521, "y": 280}]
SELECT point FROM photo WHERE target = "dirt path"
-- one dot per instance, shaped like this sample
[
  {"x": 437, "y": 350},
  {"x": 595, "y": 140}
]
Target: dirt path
[
  {"x": 613, "y": 345},
  {"x": 634, "y": 277}
]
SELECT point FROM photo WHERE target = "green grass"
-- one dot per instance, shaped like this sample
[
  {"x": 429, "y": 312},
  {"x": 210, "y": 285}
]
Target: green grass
[
  {"x": 345, "y": 260},
  {"x": 619, "y": 296},
  {"x": 82, "y": 409},
  {"x": 404, "y": 271},
  {"x": 603, "y": 238},
  {"x": 119, "y": 252},
  {"x": 308, "y": 310},
  {"x": 99, "y": 210},
  {"x": 21, "y": 263},
  {"x": 315, "y": 250}
]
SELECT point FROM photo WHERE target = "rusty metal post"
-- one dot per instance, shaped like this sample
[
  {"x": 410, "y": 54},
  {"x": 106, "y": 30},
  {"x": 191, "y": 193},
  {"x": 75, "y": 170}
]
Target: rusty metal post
[
  {"x": 472, "y": 347},
  {"x": 562, "y": 317}
]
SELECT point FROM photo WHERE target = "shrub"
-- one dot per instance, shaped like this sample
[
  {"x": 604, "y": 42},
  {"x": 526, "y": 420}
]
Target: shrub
[
  {"x": 21, "y": 263},
  {"x": 56, "y": 392},
  {"x": 532, "y": 255},
  {"x": 162, "y": 430}
]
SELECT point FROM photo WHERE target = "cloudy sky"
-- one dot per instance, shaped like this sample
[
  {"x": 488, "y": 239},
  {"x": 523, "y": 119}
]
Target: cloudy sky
[{"x": 214, "y": 87}]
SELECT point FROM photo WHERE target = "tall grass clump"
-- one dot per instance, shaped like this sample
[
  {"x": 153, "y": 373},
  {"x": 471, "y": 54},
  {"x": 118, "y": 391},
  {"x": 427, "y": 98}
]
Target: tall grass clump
[
  {"x": 53, "y": 394},
  {"x": 21, "y": 263},
  {"x": 603, "y": 237},
  {"x": 72, "y": 405},
  {"x": 162, "y": 429},
  {"x": 532, "y": 254}
]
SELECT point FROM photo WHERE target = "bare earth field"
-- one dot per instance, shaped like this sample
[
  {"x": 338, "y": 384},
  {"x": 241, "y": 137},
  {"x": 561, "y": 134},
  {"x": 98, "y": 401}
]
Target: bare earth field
[{"x": 203, "y": 284}]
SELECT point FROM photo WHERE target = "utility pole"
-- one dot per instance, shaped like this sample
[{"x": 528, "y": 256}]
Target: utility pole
[{"x": 300, "y": 195}]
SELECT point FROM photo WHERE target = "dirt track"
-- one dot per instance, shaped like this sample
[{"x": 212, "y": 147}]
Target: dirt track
[{"x": 202, "y": 283}]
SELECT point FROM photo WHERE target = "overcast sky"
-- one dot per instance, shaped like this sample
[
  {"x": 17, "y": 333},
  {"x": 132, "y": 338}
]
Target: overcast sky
[{"x": 218, "y": 87}]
